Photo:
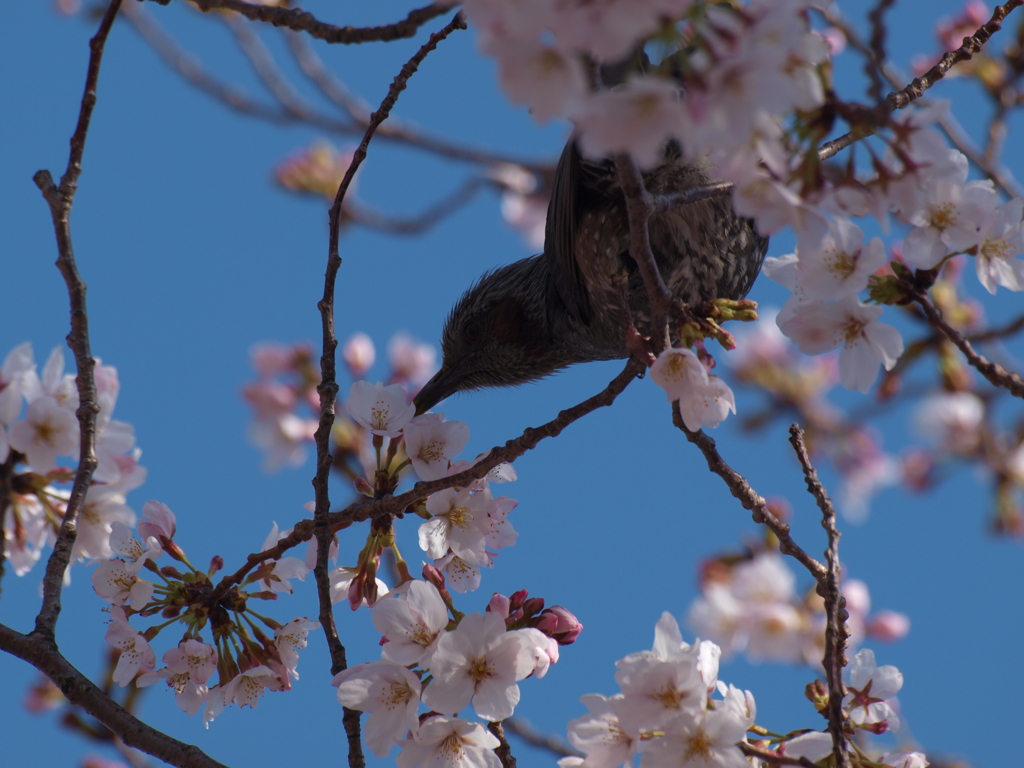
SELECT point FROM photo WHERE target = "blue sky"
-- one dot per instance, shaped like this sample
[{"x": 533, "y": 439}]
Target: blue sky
[{"x": 192, "y": 255}]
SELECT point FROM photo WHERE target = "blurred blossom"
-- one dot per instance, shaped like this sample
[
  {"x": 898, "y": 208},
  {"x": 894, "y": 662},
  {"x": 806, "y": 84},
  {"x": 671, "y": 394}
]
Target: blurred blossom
[
  {"x": 527, "y": 214},
  {"x": 359, "y": 354},
  {"x": 411, "y": 360},
  {"x": 951, "y": 420},
  {"x": 318, "y": 169}
]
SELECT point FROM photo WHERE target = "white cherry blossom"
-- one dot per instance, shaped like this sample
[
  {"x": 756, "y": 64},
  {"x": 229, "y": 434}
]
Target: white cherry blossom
[
  {"x": 449, "y": 742},
  {"x": 382, "y": 410},
  {"x": 817, "y": 327},
  {"x": 479, "y": 662},
  {"x": 390, "y": 693},
  {"x": 431, "y": 442},
  {"x": 412, "y": 623},
  {"x": 1000, "y": 241}
]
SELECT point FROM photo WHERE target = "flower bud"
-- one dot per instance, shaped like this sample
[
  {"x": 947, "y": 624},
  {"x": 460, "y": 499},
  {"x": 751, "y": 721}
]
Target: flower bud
[{"x": 559, "y": 624}]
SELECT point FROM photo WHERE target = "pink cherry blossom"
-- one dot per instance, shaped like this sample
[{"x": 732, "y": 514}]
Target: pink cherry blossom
[
  {"x": 479, "y": 662},
  {"x": 136, "y": 655},
  {"x": 47, "y": 431},
  {"x": 412, "y": 623},
  {"x": 1000, "y": 241},
  {"x": 870, "y": 688},
  {"x": 817, "y": 327},
  {"x": 390, "y": 693},
  {"x": 431, "y": 442},
  {"x": 359, "y": 354},
  {"x": 449, "y": 742},
  {"x": 601, "y": 735},
  {"x": 382, "y": 410},
  {"x": 290, "y": 639},
  {"x": 189, "y": 667}
]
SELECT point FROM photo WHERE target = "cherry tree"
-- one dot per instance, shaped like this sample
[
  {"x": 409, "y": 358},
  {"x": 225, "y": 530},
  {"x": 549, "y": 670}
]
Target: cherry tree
[{"x": 895, "y": 232}]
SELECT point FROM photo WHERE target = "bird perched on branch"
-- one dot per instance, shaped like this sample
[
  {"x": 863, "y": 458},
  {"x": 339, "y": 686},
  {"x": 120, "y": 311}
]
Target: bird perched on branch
[{"x": 568, "y": 305}]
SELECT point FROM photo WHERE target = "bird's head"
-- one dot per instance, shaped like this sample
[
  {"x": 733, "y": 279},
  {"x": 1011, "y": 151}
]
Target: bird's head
[{"x": 497, "y": 335}]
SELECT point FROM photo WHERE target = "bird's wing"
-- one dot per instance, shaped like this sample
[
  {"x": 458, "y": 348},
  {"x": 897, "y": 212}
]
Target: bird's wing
[{"x": 560, "y": 238}]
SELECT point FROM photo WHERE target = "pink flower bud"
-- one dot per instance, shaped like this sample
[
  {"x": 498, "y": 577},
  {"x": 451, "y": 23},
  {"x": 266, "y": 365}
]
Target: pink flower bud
[
  {"x": 517, "y": 599},
  {"x": 533, "y": 606},
  {"x": 499, "y": 604},
  {"x": 560, "y": 625},
  {"x": 889, "y": 626}
]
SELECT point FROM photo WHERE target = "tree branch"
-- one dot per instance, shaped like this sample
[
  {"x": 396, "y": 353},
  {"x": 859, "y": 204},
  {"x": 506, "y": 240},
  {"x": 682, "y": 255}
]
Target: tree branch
[
  {"x": 60, "y": 200},
  {"x": 300, "y": 21},
  {"x": 41, "y": 652},
  {"x": 740, "y": 489},
  {"x": 836, "y": 633},
  {"x": 536, "y": 738},
  {"x": 995, "y": 373},
  {"x": 503, "y": 751}
]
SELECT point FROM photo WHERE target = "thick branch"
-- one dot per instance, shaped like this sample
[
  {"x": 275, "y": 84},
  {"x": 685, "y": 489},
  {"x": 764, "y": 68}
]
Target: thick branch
[
  {"x": 40, "y": 651},
  {"x": 503, "y": 751},
  {"x": 836, "y": 633},
  {"x": 60, "y": 200}
]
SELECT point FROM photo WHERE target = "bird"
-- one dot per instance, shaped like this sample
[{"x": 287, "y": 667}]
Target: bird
[{"x": 568, "y": 304}]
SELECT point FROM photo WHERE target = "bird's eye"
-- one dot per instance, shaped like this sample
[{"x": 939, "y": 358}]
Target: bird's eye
[{"x": 472, "y": 333}]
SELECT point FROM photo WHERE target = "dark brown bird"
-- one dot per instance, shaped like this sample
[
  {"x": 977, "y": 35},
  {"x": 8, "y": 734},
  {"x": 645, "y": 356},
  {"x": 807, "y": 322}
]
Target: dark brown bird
[{"x": 527, "y": 320}]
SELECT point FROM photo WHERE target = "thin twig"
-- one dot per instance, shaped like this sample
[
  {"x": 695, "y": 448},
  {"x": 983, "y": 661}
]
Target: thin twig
[
  {"x": 873, "y": 66},
  {"x": 503, "y": 750},
  {"x": 60, "y": 200},
  {"x": 328, "y": 387},
  {"x": 995, "y": 373},
  {"x": 390, "y": 505},
  {"x": 300, "y": 21},
  {"x": 417, "y": 224},
  {"x": 836, "y": 633},
  {"x": 266, "y": 68},
  {"x": 332, "y": 88},
  {"x": 41, "y": 652},
  {"x": 752, "y": 751},
  {"x": 536, "y": 738},
  {"x": 740, "y": 489}
]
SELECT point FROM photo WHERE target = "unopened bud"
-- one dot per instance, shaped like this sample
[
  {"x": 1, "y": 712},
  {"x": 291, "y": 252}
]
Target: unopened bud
[
  {"x": 533, "y": 606},
  {"x": 517, "y": 599},
  {"x": 559, "y": 624}
]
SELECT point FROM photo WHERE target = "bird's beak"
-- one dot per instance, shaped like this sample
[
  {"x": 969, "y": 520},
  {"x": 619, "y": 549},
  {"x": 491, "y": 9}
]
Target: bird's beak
[{"x": 433, "y": 392}]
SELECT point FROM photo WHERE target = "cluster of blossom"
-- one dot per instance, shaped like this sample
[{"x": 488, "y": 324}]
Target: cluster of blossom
[
  {"x": 317, "y": 169},
  {"x": 667, "y": 715},
  {"x": 48, "y": 429},
  {"x": 742, "y": 63},
  {"x": 704, "y": 400},
  {"x": 287, "y": 407},
  {"x": 472, "y": 659},
  {"x": 465, "y": 524},
  {"x": 749, "y": 604},
  {"x": 246, "y": 659}
]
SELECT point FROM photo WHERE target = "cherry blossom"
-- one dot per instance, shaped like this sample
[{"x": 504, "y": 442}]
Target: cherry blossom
[
  {"x": 390, "y": 693},
  {"x": 817, "y": 327},
  {"x": 601, "y": 735},
  {"x": 290, "y": 639},
  {"x": 637, "y": 119},
  {"x": 136, "y": 656},
  {"x": 411, "y": 360},
  {"x": 431, "y": 442},
  {"x": 343, "y": 579},
  {"x": 841, "y": 266},
  {"x": 704, "y": 742},
  {"x": 17, "y": 364},
  {"x": 189, "y": 667},
  {"x": 462, "y": 576},
  {"x": 47, "y": 431},
  {"x": 704, "y": 401},
  {"x": 1000, "y": 240},
  {"x": 659, "y": 692},
  {"x": 117, "y": 583},
  {"x": 951, "y": 420},
  {"x": 460, "y": 522},
  {"x": 905, "y": 759},
  {"x": 246, "y": 688},
  {"x": 103, "y": 507},
  {"x": 412, "y": 623},
  {"x": 541, "y": 76},
  {"x": 870, "y": 687},
  {"x": 276, "y": 573},
  {"x": 449, "y": 742},
  {"x": 382, "y": 410},
  {"x": 479, "y": 662},
  {"x": 359, "y": 354},
  {"x": 813, "y": 745},
  {"x": 946, "y": 220}
]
